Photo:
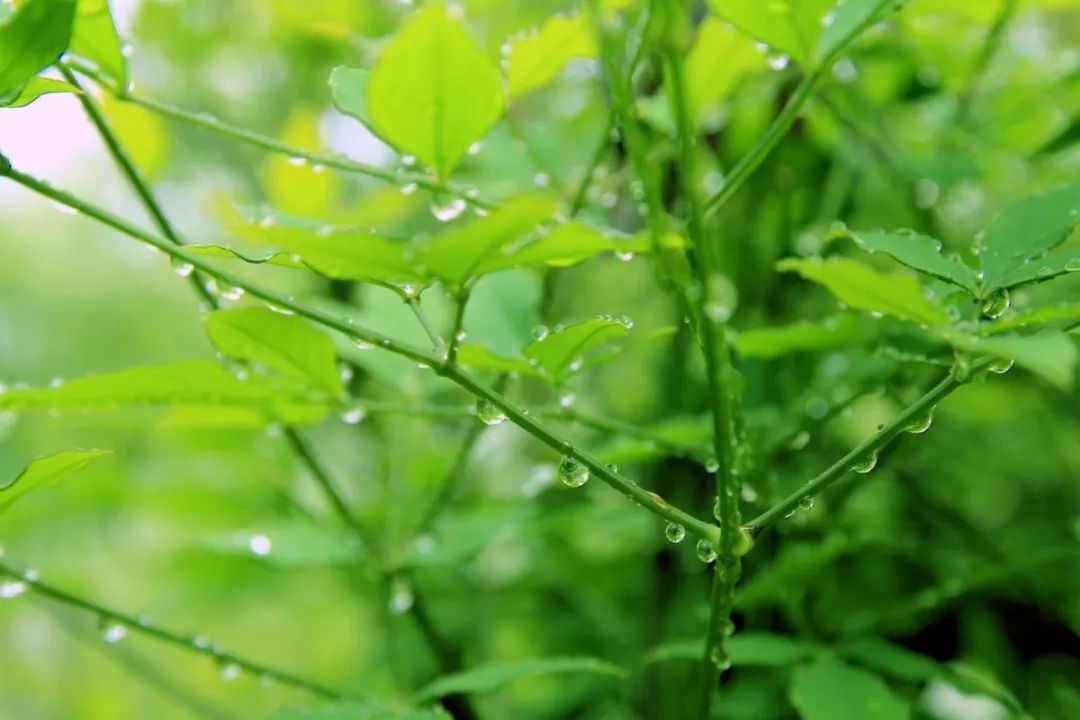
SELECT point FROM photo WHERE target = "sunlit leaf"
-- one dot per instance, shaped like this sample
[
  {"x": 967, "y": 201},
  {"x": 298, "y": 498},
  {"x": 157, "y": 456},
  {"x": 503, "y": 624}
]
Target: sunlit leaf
[
  {"x": 922, "y": 253},
  {"x": 842, "y": 20},
  {"x": 791, "y": 27},
  {"x": 897, "y": 294},
  {"x": 46, "y": 471},
  {"x": 433, "y": 92},
  {"x": 570, "y": 243},
  {"x": 1042, "y": 268},
  {"x": 1023, "y": 231},
  {"x": 32, "y": 38},
  {"x": 1049, "y": 354},
  {"x": 34, "y": 88},
  {"x": 797, "y": 337},
  {"x": 284, "y": 343},
  {"x": 456, "y": 254},
  {"x": 347, "y": 89},
  {"x": 534, "y": 59},
  {"x": 829, "y": 690},
  {"x": 94, "y": 37},
  {"x": 491, "y": 677},
  {"x": 562, "y": 351},
  {"x": 294, "y": 185}
]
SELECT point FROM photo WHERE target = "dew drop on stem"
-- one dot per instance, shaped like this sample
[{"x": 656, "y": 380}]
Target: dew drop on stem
[
  {"x": 921, "y": 423},
  {"x": 705, "y": 551},
  {"x": 353, "y": 416},
  {"x": 260, "y": 545},
  {"x": 866, "y": 464},
  {"x": 1000, "y": 367},
  {"x": 229, "y": 671},
  {"x": 674, "y": 532},
  {"x": 446, "y": 209},
  {"x": 113, "y": 632},
  {"x": 573, "y": 472},
  {"x": 11, "y": 589},
  {"x": 489, "y": 413}
]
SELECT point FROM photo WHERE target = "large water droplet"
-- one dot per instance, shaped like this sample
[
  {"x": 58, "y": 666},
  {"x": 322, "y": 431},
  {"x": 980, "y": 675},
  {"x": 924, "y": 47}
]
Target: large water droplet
[
  {"x": 445, "y": 211},
  {"x": 778, "y": 61},
  {"x": 540, "y": 332},
  {"x": 674, "y": 532},
  {"x": 1000, "y": 367},
  {"x": 705, "y": 551},
  {"x": 260, "y": 545},
  {"x": 806, "y": 503},
  {"x": 921, "y": 423},
  {"x": 489, "y": 413},
  {"x": 996, "y": 305},
  {"x": 573, "y": 472},
  {"x": 866, "y": 463}
]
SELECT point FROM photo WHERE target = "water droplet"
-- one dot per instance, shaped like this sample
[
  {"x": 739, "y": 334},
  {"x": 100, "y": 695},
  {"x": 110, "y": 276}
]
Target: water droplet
[
  {"x": 66, "y": 209},
  {"x": 447, "y": 211},
  {"x": 474, "y": 148},
  {"x": 489, "y": 413},
  {"x": 408, "y": 188},
  {"x": 624, "y": 255},
  {"x": 401, "y": 597},
  {"x": 996, "y": 305},
  {"x": 11, "y": 588},
  {"x": 717, "y": 510},
  {"x": 927, "y": 193},
  {"x": 408, "y": 160},
  {"x": 541, "y": 179},
  {"x": 353, "y": 416},
  {"x": 567, "y": 399},
  {"x": 806, "y": 503},
  {"x": 234, "y": 293},
  {"x": 705, "y": 551},
  {"x": 712, "y": 465},
  {"x": 572, "y": 472},
  {"x": 778, "y": 61},
  {"x": 721, "y": 299},
  {"x": 674, "y": 532},
  {"x": 364, "y": 345},
  {"x": 296, "y": 161},
  {"x": 230, "y": 671},
  {"x": 424, "y": 544},
  {"x": 1000, "y": 367},
  {"x": 540, "y": 332},
  {"x": 113, "y": 633},
  {"x": 625, "y": 321},
  {"x": 183, "y": 269},
  {"x": 1073, "y": 265},
  {"x": 260, "y": 545},
  {"x": 800, "y": 440},
  {"x": 865, "y": 464},
  {"x": 921, "y": 423}
]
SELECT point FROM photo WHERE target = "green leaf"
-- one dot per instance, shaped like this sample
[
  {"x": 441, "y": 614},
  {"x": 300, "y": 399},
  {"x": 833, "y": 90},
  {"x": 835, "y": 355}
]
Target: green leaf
[
  {"x": 891, "y": 659},
  {"x": 897, "y": 294},
  {"x": 297, "y": 543},
  {"x": 95, "y": 38},
  {"x": 491, "y": 677},
  {"x": 557, "y": 354},
  {"x": 347, "y": 90},
  {"x": 479, "y": 357},
  {"x": 284, "y": 343},
  {"x": 534, "y": 59},
  {"x": 748, "y": 649},
  {"x": 269, "y": 256},
  {"x": 921, "y": 253},
  {"x": 32, "y": 38},
  {"x": 792, "y": 27},
  {"x": 1023, "y": 232},
  {"x": 360, "y": 711},
  {"x": 797, "y": 337},
  {"x": 1042, "y": 268},
  {"x": 187, "y": 383},
  {"x": 570, "y": 243},
  {"x": 1067, "y": 312},
  {"x": 46, "y": 471},
  {"x": 829, "y": 690},
  {"x": 433, "y": 91},
  {"x": 842, "y": 20},
  {"x": 720, "y": 57},
  {"x": 1049, "y": 354},
  {"x": 456, "y": 254},
  {"x": 34, "y": 88}
]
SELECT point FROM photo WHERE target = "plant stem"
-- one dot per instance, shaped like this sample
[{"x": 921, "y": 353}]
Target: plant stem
[
  {"x": 914, "y": 412},
  {"x": 192, "y": 644},
  {"x": 987, "y": 50},
  {"x": 437, "y": 343},
  {"x": 337, "y": 162},
  {"x": 457, "y": 329},
  {"x": 516, "y": 414},
  {"x": 788, "y": 115}
]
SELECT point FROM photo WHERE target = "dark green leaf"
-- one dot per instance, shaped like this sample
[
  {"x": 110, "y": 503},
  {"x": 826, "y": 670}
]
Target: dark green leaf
[
  {"x": 492, "y": 677},
  {"x": 558, "y": 353},
  {"x": 922, "y": 253},
  {"x": 32, "y": 38},
  {"x": 46, "y": 471},
  {"x": 829, "y": 690}
]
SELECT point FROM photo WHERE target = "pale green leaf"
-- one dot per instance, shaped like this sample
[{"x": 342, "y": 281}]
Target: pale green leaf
[
  {"x": 1066, "y": 313},
  {"x": 534, "y": 59},
  {"x": 829, "y": 690},
  {"x": 797, "y": 337},
  {"x": 188, "y": 383},
  {"x": 559, "y": 353},
  {"x": 94, "y": 37},
  {"x": 455, "y": 255},
  {"x": 898, "y": 294},
  {"x": 433, "y": 92},
  {"x": 1023, "y": 232},
  {"x": 1051, "y": 355},
  {"x": 268, "y": 256},
  {"x": 479, "y": 357},
  {"x": 347, "y": 90},
  {"x": 842, "y": 20},
  {"x": 491, "y": 677},
  {"x": 570, "y": 243},
  {"x": 34, "y": 88},
  {"x": 32, "y": 38},
  {"x": 46, "y": 471},
  {"x": 720, "y": 57},
  {"x": 284, "y": 343},
  {"x": 922, "y": 253},
  {"x": 792, "y": 27}
]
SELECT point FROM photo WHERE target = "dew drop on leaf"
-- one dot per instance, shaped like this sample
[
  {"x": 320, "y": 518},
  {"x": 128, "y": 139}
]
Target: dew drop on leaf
[
  {"x": 540, "y": 332},
  {"x": 1000, "y": 367},
  {"x": 489, "y": 413},
  {"x": 866, "y": 464},
  {"x": 401, "y": 597},
  {"x": 674, "y": 532},
  {"x": 996, "y": 305},
  {"x": 573, "y": 472}
]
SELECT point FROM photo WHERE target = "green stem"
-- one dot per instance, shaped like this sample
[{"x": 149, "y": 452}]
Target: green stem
[
  {"x": 516, "y": 414},
  {"x": 437, "y": 343},
  {"x": 337, "y": 162},
  {"x": 987, "y": 50},
  {"x": 457, "y": 330},
  {"x": 788, "y": 115},
  {"x": 914, "y": 412},
  {"x": 625, "y": 429},
  {"x": 192, "y": 644}
]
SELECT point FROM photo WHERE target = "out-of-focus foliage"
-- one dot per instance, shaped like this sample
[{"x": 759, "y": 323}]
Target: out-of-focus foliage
[{"x": 919, "y": 214}]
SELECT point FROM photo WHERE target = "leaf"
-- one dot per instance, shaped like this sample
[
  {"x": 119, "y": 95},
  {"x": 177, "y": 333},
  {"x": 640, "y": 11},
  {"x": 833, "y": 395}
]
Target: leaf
[
  {"x": 897, "y": 294},
  {"x": 748, "y": 649},
  {"x": 432, "y": 91},
  {"x": 454, "y": 255},
  {"x": 283, "y": 343},
  {"x": 491, "y": 677},
  {"x": 891, "y": 659},
  {"x": 360, "y": 711},
  {"x": 1049, "y": 354},
  {"x": 797, "y": 337},
  {"x": 95, "y": 38},
  {"x": 1067, "y": 312},
  {"x": 290, "y": 544},
  {"x": 534, "y": 59},
  {"x": 570, "y": 243},
  {"x": 188, "y": 383},
  {"x": 1042, "y": 268},
  {"x": 841, "y": 21},
  {"x": 1025, "y": 230},
  {"x": 347, "y": 91},
  {"x": 459, "y": 538},
  {"x": 32, "y": 38},
  {"x": 557, "y": 353},
  {"x": 921, "y": 253},
  {"x": 720, "y": 57},
  {"x": 829, "y": 690},
  {"x": 269, "y": 256},
  {"x": 479, "y": 357},
  {"x": 34, "y": 88},
  {"x": 46, "y": 471},
  {"x": 792, "y": 27}
]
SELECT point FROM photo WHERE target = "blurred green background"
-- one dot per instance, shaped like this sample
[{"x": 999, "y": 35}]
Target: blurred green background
[{"x": 963, "y": 546}]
